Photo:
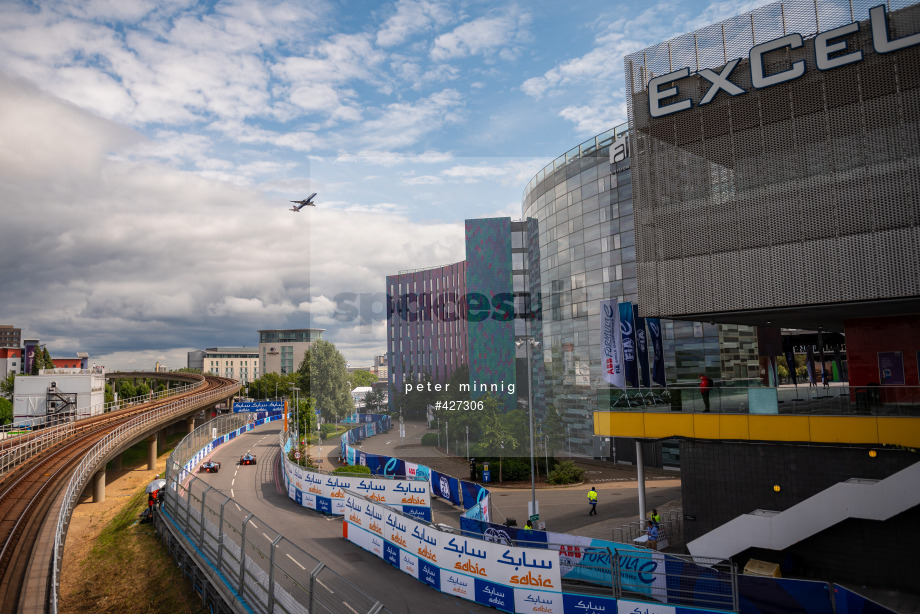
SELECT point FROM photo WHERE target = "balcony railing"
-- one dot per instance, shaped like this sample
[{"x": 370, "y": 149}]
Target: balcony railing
[{"x": 834, "y": 400}]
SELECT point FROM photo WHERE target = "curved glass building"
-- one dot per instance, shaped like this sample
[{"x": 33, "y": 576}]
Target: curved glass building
[{"x": 580, "y": 209}]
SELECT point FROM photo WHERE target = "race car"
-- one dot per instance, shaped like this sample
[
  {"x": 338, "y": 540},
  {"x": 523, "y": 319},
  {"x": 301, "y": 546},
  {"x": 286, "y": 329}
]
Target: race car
[
  {"x": 247, "y": 459},
  {"x": 210, "y": 467}
]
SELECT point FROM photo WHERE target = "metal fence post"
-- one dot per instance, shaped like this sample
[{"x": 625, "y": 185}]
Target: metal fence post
[
  {"x": 271, "y": 576},
  {"x": 201, "y": 534},
  {"x": 615, "y": 573},
  {"x": 313, "y": 575},
  {"x": 735, "y": 604},
  {"x": 220, "y": 536},
  {"x": 243, "y": 553}
]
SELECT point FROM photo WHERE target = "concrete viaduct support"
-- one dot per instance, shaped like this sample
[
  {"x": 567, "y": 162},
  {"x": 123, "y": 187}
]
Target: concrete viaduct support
[
  {"x": 99, "y": 486},
  {"x": 190, "y": 424},
  {"x": 152, "y": 452}
]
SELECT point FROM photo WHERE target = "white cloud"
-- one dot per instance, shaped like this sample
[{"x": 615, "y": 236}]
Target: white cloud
[
  {"x": 484, "y": 36},
  {"x": 411, "y": 17}
]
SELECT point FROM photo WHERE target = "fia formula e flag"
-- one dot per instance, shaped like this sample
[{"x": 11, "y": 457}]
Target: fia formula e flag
[
  {"x": 628, "y": 339},
  {"x": 611, "y": 347},
  {"x": 641, "y": 347},
  {"x": 654, "y": 332}
]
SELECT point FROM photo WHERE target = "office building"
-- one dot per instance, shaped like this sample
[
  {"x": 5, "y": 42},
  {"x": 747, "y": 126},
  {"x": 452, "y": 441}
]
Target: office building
[{"x": 282, "y": 351}]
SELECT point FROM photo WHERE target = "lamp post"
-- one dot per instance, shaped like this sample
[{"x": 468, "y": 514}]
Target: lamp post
[
  {"x": 531, "y": 343},
  {"x": 467, "y": 444},
  {"x": 295, "y": 390}
]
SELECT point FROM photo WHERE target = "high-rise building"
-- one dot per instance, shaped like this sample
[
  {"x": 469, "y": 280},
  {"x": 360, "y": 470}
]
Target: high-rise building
[{"x": 10, "y": 337}]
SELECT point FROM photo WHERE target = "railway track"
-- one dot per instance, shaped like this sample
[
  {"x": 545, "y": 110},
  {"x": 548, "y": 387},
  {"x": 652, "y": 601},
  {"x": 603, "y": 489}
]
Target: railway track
[{"x": 28, "y": 494}]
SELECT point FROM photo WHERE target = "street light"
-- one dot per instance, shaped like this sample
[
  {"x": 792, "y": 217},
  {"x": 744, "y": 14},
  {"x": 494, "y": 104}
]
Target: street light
[
  {"x": 531, "y": 343},
  {"x": 296, "y": 392}
]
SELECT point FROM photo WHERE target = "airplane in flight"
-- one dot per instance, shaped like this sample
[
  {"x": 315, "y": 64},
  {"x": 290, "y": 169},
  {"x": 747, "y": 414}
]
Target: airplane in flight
[{"x": 300, "y": 204}]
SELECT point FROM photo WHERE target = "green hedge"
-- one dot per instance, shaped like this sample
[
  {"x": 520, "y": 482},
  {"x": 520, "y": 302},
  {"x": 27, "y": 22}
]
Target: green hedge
[{"x": 430, "y": 439}]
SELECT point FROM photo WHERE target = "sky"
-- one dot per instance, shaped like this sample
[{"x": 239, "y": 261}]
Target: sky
[{"x": 149, "y": 148}]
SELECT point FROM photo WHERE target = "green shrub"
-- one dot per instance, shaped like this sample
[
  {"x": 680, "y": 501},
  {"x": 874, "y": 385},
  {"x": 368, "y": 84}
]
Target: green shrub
[
  {"x": 513, "y": 469},
  {"x": 327, "y": 429},
  {"x": 566, "y": 473},
  {"x": 430, "y": 439},
  {"x": 353, "y": 469}
]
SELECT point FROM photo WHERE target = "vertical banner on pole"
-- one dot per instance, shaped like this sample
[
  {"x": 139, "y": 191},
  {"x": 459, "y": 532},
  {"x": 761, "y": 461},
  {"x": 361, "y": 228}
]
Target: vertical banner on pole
[
  {"x": 611, "y": 348},
  {"x": 654, "y": 332},
  {"x": 641, "y": 348},
  {"x": 628, "y": 340}
]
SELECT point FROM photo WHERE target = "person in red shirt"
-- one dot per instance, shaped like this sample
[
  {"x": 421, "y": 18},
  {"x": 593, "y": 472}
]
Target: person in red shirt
[{"x": 705, "y": 387}]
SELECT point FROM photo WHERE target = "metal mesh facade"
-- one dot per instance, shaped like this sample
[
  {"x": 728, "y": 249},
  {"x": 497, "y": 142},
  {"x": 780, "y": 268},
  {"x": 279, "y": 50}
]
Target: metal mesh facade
[{"x": 801, "y": 193}]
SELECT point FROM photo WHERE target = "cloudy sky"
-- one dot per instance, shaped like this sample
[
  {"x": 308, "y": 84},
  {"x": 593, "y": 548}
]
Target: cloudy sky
[{"x": 148, "y": 149}]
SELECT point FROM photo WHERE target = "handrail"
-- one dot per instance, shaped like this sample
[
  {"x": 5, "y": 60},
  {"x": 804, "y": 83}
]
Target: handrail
[
  {"x": 32, "y": 445},
  {"x": 110, "y": 442}
]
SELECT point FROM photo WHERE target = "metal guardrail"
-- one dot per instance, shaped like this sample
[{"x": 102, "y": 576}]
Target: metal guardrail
[
  {"x": 34, "y": 442},
  {"x": 88, "y": 466},
  {"x": 834, "y": 400},
  {"x": 268, "y": 572},
  {"x": 671, "y": 523}
]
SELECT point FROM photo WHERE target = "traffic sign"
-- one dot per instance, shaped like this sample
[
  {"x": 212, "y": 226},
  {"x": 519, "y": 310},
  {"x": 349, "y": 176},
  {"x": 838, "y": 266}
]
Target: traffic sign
[
  {"x": 296, "y": 454},
  {"x": 535, "y": 518}
]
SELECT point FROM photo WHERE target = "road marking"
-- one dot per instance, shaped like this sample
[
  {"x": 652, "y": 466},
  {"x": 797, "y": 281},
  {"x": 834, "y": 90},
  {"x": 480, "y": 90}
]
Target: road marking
[
  {"x": 331, "y": 592},
  {"x": 266, "y": 537},
  {"x": 345, "y": 603},
  {"x": 233, "y": 481},
  {"x": 253, "y": 524},
  {"x": 295, "y": 562},
  {"x": 231, "y": 496},
  {"x": 236, "y": 504}
]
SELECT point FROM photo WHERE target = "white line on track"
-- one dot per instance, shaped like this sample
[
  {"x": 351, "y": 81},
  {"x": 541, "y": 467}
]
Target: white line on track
[
  {"x": 253, "y": 525},
  {"x": 266, "y": 537},
  {"x": 233, "y": 481},
  {"x": 231, "y": 496},
  {"x": 345, "y": 603},
  {"x": 295, "y": 562},
  {"x": 235, "y": 503},
  {"x": 331, "y": 592}
]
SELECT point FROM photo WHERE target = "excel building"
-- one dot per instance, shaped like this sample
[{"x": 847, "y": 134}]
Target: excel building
[{"x": 775, "y": 178}]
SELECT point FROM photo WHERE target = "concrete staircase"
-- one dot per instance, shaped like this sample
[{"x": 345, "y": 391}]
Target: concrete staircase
[{"x": 855, "y": 498}]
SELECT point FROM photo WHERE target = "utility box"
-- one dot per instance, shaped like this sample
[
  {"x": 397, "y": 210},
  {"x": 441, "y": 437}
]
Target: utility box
[
  {"x": 57, "y": 397},
  {"x": 762, "y": 569}
]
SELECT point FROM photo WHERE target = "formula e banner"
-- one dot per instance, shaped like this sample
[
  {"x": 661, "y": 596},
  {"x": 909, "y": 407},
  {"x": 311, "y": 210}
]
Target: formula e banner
[
  {"x": 641, "y": 348},
  {"x": 611, "y": 347},
  {"x": 655, "y": 337},
  {"x": 628, "y": 339}
]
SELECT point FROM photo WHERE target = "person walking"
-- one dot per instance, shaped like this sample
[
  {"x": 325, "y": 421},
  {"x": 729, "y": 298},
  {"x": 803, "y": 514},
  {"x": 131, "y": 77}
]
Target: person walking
[
  {"x": 592, "y": 500},
  {"x": 655, "y": 517},
  {"x": 705, "y": 387}
]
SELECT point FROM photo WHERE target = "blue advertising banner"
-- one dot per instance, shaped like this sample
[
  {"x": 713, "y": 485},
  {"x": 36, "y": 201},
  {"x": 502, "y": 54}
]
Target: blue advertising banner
[
  {"x": 589, "y": 603},
  {"x": 641, "y": 348},
  {"x": 472, "y": 494},
  {"x": 611, "y": 350},
  {"x": 446, "y": 487},
  {"x": 494, "y": 595},
  {"x": 391, "y": 554},
  {"x": 374, "y": 462},
  {"x": 270, "y": 406},
  {"x": 324, "y": 505},
  {"x": 429, "y": 574},
  {"x": 655, "y": 337},
  {"x": 628, "y": 339},
  {"x": 394, "y": 466}
]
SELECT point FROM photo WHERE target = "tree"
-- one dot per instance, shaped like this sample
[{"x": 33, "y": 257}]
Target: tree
[
  {"x": 46, "y": 357},
  {"x": 6, "y": 411},
  {"x": 7, "y": 386},
  {"x": 324, "y": 376},
  {"x": 374, "y": 400},
  {"x": 361, "y": 377}
]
